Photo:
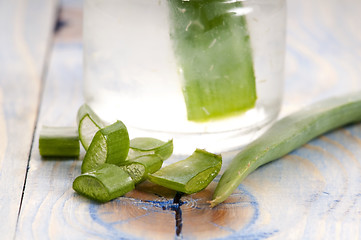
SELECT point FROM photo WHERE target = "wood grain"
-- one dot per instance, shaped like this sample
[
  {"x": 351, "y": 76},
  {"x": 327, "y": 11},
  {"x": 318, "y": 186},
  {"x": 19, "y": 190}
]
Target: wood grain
[
  {"x": 312, "y": 193},
  {"x": 24, "y": 41},
  {"x": 49, "y": 181}
]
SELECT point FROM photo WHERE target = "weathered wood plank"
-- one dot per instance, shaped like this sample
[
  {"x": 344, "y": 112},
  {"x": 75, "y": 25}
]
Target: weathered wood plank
[
  {"x": 49, "y": 182},
  {"x": 25, "y": 34},
  {"x": 312, "y": 193},
  {"x": 323, "y": 49}
]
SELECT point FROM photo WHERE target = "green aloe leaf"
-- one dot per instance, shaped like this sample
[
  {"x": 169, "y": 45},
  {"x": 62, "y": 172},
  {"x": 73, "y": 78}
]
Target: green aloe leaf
[
  {"x": 109, "y": 145},
  {"x": 139, "y": 168},
  {"x": 104, "y": 183},
  {"x": 88, "y": 124},
  {"x": 214, "y": 54},
  {"x": 191, "y": 174},
  {"x": 59, "y": 142},
  {"x": 146, "y": 146}
]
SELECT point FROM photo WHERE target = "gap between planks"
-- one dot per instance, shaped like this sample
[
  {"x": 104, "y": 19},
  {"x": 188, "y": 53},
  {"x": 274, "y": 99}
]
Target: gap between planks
[{"x": 43, "y": 74}]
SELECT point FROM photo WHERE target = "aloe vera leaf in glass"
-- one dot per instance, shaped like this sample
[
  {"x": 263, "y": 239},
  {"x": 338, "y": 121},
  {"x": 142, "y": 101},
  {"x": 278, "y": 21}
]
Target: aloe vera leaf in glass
[
  {"x": 286, "y": 135},
  {"x": 109, "y": 145},
  {"x": 104, "y": 183},
  {"x": 190, "y": 175},
  {"x": 146, "y": 146},
  {"x": 213, "y": 50},
  {"x": 59, "y": 142},
  {"x": 88, "y": 124},
  {"x": 139, "y": 168}
]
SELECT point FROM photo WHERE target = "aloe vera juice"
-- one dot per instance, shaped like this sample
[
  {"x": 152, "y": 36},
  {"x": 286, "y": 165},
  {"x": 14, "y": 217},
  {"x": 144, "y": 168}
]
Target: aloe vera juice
[{"x": 207, "y": 73}]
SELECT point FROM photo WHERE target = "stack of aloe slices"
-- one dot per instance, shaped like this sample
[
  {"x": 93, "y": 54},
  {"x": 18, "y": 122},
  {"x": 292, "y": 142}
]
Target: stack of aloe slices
[
  {"x": 113, "y": 164},
  {"x": 213, "y": 50}
]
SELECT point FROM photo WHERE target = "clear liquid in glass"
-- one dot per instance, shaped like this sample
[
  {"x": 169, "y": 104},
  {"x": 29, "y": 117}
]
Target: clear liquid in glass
[{"x": 131, "y": 72}]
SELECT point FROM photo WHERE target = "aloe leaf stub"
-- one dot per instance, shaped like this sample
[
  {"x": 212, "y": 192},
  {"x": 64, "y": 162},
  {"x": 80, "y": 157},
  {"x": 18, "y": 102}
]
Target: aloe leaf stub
[
  {"x": 213, "y": 51},
  {"x": 104, "y": 183},
  {"x": 139, "y": 168},
  {"x": 190, "y": 175},
  {"x": 88, "y": 124},
  {"x": 109, "y": 145},
  {"x": 145, "y": 146},
  {"x": 59, "y": 142}
]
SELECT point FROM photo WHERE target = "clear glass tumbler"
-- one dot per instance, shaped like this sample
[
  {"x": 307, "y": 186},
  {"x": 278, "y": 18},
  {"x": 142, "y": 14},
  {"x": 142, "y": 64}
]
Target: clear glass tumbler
[{"x": 206, "y": 73}]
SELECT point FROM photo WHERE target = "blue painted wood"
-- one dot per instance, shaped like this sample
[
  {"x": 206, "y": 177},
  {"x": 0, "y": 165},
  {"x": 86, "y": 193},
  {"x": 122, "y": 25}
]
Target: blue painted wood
[{"x": 312, "y": 193}]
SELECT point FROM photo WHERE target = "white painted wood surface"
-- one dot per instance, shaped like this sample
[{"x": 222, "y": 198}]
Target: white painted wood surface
[
  {"x": 323, "y": 50},
  {"x": 25, "y": 34},
  {"x": 312, "y": 193}
]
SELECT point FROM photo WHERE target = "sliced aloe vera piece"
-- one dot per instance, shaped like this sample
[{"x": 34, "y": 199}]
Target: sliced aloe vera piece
[
  {"x": 190, "y": 175},
  {"x": 146, "y": 146},
  {"x": 139, "y": 168},
  {"x": 105, "y": 183},
  {"x": 59, "y": 142},
  {"x": 88, "y": 124},
  {"x": 109, "y": 145},
  {"x": 213, "y": 50}
]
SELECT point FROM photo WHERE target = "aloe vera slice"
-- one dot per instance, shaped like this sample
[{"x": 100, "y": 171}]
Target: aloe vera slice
[
  {"x": 88, "y": 124},
  {"x": 286, "y": 135},
  {"x": 104, "y": 183},
  {"x": 109, "y": 145},
  {"x": 213, "y": 50},
  {"x": 146, "y": 146},
  {"x": 139, "y": 168},
  {"x": 191, "y": 174},
  {"x": 59, "y": 142}
]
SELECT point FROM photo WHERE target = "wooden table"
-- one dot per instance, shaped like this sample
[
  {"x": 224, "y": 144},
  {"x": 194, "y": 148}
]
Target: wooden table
[{"x": 312, "y": 193}]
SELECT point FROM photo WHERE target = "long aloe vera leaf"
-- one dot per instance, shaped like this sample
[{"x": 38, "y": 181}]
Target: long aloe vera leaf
[
  {"x": 286, "y": 135},
  {"x": 213, "y": 51}
]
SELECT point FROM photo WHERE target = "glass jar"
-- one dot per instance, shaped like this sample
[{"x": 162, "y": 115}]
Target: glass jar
[{"x": 206, "y": 73}]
